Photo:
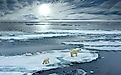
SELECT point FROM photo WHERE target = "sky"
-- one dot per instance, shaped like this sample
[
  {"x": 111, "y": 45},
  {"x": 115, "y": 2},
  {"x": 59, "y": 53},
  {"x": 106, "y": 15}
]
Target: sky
[{"x": 61, "y": 9}]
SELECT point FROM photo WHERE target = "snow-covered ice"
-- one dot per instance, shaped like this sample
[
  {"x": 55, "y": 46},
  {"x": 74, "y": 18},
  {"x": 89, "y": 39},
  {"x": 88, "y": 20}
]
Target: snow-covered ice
[
  {"x": 91, "y": 71},
  {"x": 104, "y": 48},
  {"x": 24, "y": 64},
  {"x": 31, "y": 36},
  {"x": 99, "y": 45},
  {"x": 85, "y": 31},
  {"x": 82, "y": 57},
  {"x": 11, "y": 73},
  {"x": 56, "y": 33},
  {"x": 96, "y": 43},
  {"x": 53, "y": 74}
]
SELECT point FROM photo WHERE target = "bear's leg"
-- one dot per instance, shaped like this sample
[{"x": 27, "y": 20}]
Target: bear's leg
[
  {"x": 72, "y": 54},
  {"x": 47, "y": 61},
  {"x": 43, "y": 62},
  {"x": 76, "y": 54}
]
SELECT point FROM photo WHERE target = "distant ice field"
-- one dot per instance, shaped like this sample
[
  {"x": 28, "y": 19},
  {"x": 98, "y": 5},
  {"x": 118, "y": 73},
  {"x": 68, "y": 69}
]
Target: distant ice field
[
  {"x": 16, "y": 35},
  {"x": 92, "y": 39}
]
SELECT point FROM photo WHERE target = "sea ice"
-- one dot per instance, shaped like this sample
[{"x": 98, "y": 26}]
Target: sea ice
[
  {"x": 25, "y": 63},
  {"x": 96, "y": 43},
  {"x": 22, "y": 35},
  {"x": 82, "y": 57},
  {"x": 11, "y": 73},
  {"x": 26, "y": 36},
  {"x": 53, "y": 74},
  {"x": 91, "y": 71},
  {"x": 104, "y": 48}
]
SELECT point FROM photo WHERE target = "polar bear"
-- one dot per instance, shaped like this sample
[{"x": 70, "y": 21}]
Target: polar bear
[
  {"x": 46, "y": 61},
  {"x": 74, "y": 52}
]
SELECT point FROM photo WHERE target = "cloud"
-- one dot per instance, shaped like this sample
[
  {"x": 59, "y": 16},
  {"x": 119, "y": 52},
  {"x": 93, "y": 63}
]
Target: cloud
[
  {"x": 73, "y": 7},
  {"x": 13, "y": 4}
]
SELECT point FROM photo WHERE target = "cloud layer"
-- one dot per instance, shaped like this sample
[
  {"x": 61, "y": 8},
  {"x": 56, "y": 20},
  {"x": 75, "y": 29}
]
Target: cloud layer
[{"x": 76, "y": 7}]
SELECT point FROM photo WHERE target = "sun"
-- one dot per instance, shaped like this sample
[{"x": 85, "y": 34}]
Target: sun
[{"x": 44, "y": 9}]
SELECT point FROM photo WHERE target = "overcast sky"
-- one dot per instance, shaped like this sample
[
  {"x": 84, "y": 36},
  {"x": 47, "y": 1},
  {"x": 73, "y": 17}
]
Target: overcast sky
[{"x": 77, "y": 7}]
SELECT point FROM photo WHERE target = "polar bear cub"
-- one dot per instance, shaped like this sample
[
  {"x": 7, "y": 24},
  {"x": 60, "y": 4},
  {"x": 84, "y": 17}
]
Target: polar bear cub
[{"x": 46, "y": 61}]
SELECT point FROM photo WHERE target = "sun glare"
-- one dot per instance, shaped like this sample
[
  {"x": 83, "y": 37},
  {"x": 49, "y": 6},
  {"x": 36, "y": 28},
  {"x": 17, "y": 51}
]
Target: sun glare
[{"x": 44, "y": 9}]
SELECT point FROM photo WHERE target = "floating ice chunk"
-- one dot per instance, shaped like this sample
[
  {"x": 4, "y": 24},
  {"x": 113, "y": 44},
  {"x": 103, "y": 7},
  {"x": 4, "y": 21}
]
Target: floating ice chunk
[
  {"x": 91, "y": 71},
  {"x": 102, "y": 57},
  {"x": 53, "y": 74},
  {"x": 11, "y": 41},
  {"x": 38, "y": 53},
  {"x": 28, "y": 74},
  {"x": 82, "y": 57},
  {"x": 80, "y": 72},
  {"x": 28, "y": 54}
]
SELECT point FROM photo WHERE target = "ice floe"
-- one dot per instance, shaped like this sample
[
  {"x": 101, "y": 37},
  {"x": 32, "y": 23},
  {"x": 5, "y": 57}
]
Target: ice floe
[
  {"x": 103, "y": 48},
  {"x": 96, "y": 43},
  {"x": 52, "y": 33},
  {"x": 26, "y": 64},
  {"x": 99, "y": 45},
  {"x": 85, "y": 31},
  {"x": 91, "y": 71},
  {"x": 32, "y": 36},
  {"x": 82, "y": 57},
  {"x": 11, "y": 73}
]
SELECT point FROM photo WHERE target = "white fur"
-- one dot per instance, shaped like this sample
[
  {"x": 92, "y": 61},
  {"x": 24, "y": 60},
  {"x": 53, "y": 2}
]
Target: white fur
[{"x": 74, "y": 52}]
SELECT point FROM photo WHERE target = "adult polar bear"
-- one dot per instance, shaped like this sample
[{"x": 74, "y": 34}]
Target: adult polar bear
[{"x": 74, "y": 52}]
